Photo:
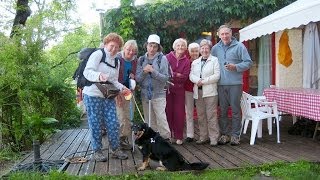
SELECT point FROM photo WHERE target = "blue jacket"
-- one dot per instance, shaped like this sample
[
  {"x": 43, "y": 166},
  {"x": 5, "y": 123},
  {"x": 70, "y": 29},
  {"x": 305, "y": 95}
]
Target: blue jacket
[
  {"x": 236, "y": 54},
  {"x": 159, "y": 76}
]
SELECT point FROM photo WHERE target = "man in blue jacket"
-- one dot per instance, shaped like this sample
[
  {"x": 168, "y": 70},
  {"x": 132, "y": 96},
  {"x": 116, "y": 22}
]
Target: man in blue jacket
[{"x": 234, "y": 59}]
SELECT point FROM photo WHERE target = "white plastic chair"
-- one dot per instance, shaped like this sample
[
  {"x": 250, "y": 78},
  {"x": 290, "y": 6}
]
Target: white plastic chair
[
  {"x": 264, "y": 108},
  {"x": 256, "y": 115}
]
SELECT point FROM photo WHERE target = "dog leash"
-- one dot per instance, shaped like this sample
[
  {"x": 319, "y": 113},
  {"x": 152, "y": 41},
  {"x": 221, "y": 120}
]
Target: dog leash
[{"x": 135, "y": 102}]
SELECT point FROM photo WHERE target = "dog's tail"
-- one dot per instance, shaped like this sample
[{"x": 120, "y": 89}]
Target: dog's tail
[{"x": 196, "y": 166}]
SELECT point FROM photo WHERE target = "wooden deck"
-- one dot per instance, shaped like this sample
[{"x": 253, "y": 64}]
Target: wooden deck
[{"x": 76, "y": 142}]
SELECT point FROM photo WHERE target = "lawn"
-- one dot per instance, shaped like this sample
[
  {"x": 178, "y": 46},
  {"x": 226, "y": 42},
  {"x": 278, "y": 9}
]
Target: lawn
[{"x": 278, "y": 170}]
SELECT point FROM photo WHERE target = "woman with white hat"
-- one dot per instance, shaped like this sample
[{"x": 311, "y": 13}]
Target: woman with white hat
[{"x": 152, "y": 76}]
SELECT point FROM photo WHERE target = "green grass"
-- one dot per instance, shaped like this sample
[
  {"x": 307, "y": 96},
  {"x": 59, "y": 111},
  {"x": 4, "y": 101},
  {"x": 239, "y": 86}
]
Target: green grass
[
  {"x": 278, "y": 170},
  {"x": 6, "y": 154}
]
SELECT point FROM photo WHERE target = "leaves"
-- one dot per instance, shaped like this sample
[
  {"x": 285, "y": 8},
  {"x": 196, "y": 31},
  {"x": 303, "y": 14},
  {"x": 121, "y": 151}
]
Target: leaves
[{"x": 170, "y": 19}]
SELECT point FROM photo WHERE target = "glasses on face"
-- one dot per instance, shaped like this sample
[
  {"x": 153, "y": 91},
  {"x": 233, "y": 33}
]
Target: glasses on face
[{"x": 130, "y": 50}]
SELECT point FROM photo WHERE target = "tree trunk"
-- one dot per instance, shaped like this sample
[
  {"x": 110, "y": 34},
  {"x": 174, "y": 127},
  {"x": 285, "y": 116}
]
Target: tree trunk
[{"x": 22, "y": 14}]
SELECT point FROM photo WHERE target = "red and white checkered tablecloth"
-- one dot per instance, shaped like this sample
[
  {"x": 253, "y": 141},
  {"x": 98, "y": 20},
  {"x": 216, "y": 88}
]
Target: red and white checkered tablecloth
[{"x": 296, "y": 101}]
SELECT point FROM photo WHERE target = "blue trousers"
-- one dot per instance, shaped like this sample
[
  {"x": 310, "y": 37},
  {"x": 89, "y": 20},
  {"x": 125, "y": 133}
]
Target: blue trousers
[{"x": 98, "y": 110}]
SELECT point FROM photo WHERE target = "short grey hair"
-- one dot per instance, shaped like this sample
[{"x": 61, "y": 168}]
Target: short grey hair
[
  {"x": 205, "y": 42},
  {"x": 179, "y": 40},
  {"x": 131, "y": 42},
  {"x": 192, "y": 46},
  {"x": 224, "y": 26}
]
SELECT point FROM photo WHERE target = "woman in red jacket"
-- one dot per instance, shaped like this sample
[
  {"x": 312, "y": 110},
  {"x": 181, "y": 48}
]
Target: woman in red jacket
[{"x": 175, "y": 108}]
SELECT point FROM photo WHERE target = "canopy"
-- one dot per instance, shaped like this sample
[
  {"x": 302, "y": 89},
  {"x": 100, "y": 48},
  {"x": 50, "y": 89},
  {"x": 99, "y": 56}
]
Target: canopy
[{"x": 300, "y": 12}]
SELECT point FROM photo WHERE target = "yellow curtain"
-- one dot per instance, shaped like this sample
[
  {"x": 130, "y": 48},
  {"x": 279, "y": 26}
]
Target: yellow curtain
[{"x": 284, "y": 53}]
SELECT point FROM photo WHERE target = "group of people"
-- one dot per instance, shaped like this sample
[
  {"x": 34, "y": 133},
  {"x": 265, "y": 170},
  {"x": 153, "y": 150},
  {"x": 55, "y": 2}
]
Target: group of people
[{"x": 170, "y": 85}]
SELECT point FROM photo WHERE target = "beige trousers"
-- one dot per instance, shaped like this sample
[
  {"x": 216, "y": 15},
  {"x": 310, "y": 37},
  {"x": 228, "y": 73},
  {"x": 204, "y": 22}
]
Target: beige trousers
[
  {"x": 189, "y": 104},
  {"x": 207, "y": 117},
  {"x": 158, "y": 116},
  {"x": 123, "y": 113}
]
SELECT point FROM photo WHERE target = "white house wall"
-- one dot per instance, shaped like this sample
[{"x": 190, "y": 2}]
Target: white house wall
[{"x": 290, "y": 76}]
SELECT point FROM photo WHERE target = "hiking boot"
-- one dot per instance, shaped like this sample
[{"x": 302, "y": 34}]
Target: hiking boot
[
  {"x": 99, "y": 156},
  {"x": 200, "y": 141},
  {"x": 224, "y": 139},
  {"x": 235, "y": 141},
  {"x": 189, "y": 140},
  {"x": 119, "y": 154},
  {"x": 124, "y": 143}
]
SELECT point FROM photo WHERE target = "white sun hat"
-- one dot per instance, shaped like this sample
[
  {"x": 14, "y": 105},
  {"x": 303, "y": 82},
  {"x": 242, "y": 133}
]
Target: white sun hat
[{"x": 154, "y": 38}]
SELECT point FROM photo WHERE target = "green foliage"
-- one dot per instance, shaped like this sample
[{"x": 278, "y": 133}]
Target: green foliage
[
  {"x": 185, "y": 18},
  {"x": 280, "y": 170},
  {"x": 35, "y": 83}
]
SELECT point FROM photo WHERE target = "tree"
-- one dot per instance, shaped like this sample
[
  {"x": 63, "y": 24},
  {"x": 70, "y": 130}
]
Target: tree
[
  {"x": 31, "y": 89},
  {"x": 188, "y": 18}
]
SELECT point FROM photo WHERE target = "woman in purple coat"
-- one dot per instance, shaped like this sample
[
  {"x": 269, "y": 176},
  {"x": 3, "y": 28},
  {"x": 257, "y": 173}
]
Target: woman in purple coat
[{"x": 175, "y": 108}]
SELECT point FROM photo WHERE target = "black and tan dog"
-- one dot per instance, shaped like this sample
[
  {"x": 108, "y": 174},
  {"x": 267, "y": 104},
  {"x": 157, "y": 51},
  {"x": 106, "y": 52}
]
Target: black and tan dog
[{"x": 153, "y": 146}]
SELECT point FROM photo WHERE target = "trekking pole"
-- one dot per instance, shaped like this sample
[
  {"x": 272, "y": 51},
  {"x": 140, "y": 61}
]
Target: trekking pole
[
  {"x": 131, "y": 120},
  {"x": 149, "y": 93},
  {"x": 131, "y": 113}
]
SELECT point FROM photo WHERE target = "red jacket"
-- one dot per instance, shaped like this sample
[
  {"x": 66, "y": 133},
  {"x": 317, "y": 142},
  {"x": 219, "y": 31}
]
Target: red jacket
[
  {"x": 134, "y": 67},
  {"x": 188, "y": 85},
  {"x": 181, "y": 66}
]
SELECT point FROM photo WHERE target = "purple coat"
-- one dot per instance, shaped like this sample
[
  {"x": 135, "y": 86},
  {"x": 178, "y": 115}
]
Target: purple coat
[{"x": 181, "y": 66}]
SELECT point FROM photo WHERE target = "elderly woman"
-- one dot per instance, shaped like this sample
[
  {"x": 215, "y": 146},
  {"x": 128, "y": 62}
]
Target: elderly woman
[
  {"x": 175, "y": 108},
  {"x": 205, "y": 74},
  {"x": 127, "y": 71},
  {"x": 152, "y": 75},
  {"x": 98, "y": 107},
  {"x": 194, "y": 50}
]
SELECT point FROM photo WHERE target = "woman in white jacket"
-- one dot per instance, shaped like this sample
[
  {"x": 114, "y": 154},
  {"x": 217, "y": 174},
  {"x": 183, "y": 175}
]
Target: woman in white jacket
[{"x": 205, "y": 74}]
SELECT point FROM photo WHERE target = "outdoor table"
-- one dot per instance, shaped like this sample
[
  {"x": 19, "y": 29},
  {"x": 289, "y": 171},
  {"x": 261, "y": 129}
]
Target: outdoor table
[{"x": 296, "y": 101}]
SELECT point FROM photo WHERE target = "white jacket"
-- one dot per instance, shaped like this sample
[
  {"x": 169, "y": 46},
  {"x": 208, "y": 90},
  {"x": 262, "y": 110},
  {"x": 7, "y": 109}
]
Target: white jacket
[
  {"x": 93, "y": 70},
  {"x": 210, "y": 76}
]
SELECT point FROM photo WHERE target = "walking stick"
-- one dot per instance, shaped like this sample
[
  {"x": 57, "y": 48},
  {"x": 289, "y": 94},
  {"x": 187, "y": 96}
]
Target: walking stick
[
  {"x": 149, "y": 93},
  {"x": 132, "y": 85}
]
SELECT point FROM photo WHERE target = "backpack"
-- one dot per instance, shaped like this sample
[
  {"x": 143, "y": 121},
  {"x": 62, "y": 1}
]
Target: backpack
[{"x": 84, "y": 55}]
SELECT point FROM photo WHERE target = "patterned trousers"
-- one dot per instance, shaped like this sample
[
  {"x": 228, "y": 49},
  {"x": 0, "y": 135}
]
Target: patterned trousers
[{"x": 98, "y": 110}]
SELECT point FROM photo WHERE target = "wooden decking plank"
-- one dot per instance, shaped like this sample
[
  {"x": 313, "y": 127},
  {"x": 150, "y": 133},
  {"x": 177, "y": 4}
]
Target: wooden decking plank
[
  {"x": 227, "y": 158},
  {"x": 301, "y": 150},
  {"x": 184, "y": 150},
  {"x": 137, "y": 158},
  {"x": 73, "y": 148},
  {"x": 274, "y": 152},
  {"x": 101, "y": 168},
  {"x": 88, "y": 167},
  {"x": 262, "y": 154},
  {"x": 216, "y": 156},
  {"x": 265, "y": 150},
  {"x": 128, "y": 166},
  {"x": 52, "y": 148},
  {"x": 240, "y": 149},
  {"x": 196, "y": 149},
  {"x": 300, "y": 147},
  {"x": 246, "y": 160},
  {"x": 115, "y": 165},
  {"x": 44, "y": 146},
  {"x": 58, "y": 154},
  {"x": 83, "y": 150}
]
